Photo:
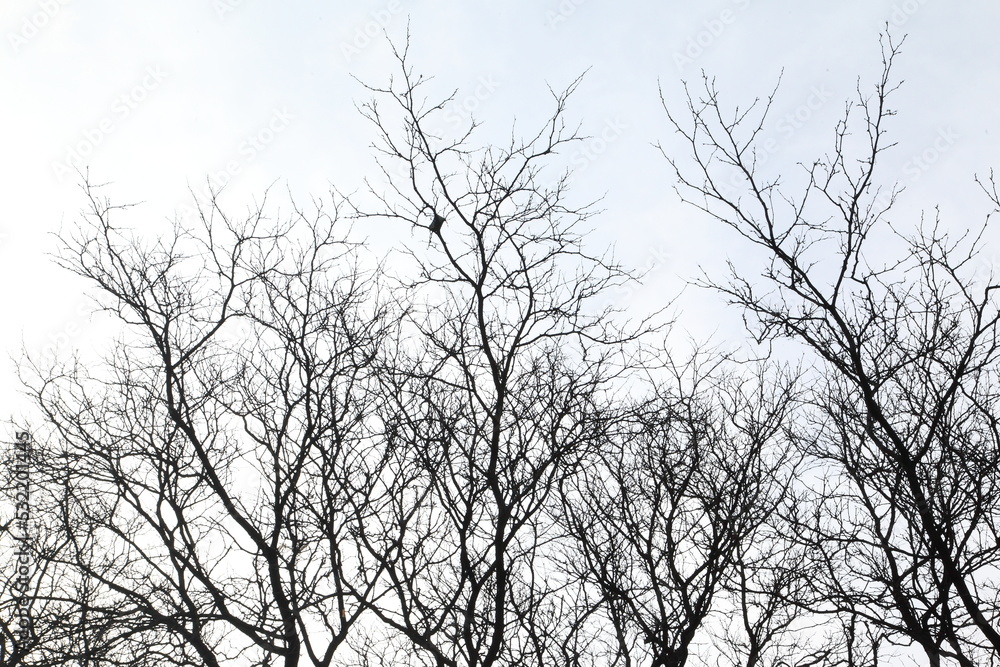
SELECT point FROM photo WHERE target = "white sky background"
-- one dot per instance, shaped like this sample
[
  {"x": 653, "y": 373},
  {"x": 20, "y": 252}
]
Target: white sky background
[{"x": 201, "y": 76}]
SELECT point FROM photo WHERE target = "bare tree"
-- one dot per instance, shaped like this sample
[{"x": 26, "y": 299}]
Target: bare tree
[
  {"x": 670, "y": 514},
  {"x": 33, "y": 612},
  {"x": 205, "y": 476},
  {"x": 498, "y": 390},
  {"x": 289, "y": 456},
  {"x": 902, "y": 521}
]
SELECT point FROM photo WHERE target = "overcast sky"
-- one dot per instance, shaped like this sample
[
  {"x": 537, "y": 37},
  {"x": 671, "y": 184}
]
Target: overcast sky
[{"x": 155, "y": 98}]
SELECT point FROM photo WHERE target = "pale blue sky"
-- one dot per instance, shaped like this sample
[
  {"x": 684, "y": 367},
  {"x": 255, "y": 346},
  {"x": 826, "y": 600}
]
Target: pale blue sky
[{"x": 174, "y": 92}]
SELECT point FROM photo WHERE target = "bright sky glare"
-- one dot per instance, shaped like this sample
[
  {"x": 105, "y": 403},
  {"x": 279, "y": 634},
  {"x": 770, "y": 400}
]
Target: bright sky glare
[{"x": 155, "y": 98}]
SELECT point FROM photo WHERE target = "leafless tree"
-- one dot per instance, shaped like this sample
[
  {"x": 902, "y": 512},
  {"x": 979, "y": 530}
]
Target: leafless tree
[
  {"x": 670, "y": 516},
  {"x": 900, "y": 519},
  {"x": 292, "y": 454},
  {"x": 499, "y": 388},
  {"x": 204, "y": 477}
]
